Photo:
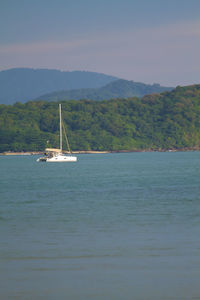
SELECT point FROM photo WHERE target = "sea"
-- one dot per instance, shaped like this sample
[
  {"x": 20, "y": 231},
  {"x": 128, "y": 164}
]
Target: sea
[{"x": 116, "y": 226}]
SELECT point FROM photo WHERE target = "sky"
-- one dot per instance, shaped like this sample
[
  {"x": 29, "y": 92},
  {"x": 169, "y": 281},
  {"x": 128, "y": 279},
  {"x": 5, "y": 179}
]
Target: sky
[{"x": 150, "y": 41}]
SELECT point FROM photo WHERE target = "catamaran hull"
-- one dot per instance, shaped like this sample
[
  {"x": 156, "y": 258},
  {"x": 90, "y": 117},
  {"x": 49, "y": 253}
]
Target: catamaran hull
[
  {"x": 58, "y": 159},
  {"x": 62, "y": 159}
]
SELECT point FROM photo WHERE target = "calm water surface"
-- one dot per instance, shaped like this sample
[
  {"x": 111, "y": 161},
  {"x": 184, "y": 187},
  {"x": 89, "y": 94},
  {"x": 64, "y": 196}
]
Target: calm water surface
[{"x": 109, "y": 227}]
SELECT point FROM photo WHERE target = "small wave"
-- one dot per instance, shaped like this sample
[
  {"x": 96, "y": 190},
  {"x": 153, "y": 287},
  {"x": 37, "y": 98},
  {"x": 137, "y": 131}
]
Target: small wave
[{"x": 60, "y": 257}]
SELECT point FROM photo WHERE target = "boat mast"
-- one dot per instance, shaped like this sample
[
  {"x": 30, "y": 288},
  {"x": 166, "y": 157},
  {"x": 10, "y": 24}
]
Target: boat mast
[{"x": 60, "y": 127}]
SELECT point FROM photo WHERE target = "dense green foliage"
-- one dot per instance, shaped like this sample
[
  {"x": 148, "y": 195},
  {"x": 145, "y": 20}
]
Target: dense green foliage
[
  {"x": 162, "y": 121},
  {"x": 116, "y": 89}
]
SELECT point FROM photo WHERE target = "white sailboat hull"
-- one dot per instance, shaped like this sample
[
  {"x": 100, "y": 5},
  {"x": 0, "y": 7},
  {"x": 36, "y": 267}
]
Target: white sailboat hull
[
  {"x": 58, "y": 158},
  {"x": 62, "y": 158}
]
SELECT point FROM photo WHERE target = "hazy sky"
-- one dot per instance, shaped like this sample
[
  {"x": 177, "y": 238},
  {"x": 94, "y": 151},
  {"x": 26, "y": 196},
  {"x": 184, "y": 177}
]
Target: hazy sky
[{"x": 142, "y": 40}]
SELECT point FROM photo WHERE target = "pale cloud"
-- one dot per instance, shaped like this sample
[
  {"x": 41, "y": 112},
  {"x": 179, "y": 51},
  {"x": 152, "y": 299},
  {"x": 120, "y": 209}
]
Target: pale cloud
[
  {"x": 110, "y": 39},
  {"x": 167, "y": 54},
  {"x": 41, "y": 47}
]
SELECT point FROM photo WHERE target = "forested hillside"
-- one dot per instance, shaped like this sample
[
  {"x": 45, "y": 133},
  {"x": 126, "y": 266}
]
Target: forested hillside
[{"x": 170, "y": 120}]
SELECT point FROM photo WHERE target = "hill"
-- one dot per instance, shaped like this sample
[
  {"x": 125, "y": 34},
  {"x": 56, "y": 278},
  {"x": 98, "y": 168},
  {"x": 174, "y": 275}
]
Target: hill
[
  {"x": 116, "y": 89},
  {"x": 22, "y": 85},
  {"x": 169, "y": 120}
]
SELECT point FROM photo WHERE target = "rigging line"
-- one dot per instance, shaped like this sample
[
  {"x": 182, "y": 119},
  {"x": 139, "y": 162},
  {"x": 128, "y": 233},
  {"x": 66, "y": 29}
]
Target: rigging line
[{"x": 66, "y": 138}]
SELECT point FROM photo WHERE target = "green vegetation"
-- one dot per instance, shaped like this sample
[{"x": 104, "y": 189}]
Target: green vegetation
[{"x": 170, "y": 120}]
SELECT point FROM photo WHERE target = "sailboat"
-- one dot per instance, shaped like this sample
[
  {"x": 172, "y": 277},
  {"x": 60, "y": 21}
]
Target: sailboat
[{"x": 57, "y": 155}]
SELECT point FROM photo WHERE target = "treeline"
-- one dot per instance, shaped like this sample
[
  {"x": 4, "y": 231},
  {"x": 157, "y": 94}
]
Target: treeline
[{"x": 170, "y": 120}]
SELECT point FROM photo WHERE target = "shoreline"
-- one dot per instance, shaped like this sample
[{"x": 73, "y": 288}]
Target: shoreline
[{"x": 10, "y": 153}]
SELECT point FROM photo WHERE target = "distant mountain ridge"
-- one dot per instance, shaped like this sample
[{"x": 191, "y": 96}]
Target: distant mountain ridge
[
  {"x": 116, "y": 89},
  {"x": 24, "y": 84}
]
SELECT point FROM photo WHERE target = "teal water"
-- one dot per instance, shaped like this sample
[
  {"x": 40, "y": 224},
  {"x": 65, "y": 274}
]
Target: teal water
[{"x": 111, "y": 227}]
